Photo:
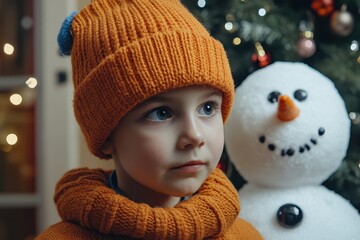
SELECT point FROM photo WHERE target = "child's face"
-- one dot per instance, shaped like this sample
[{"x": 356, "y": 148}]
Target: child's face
[{"x": 170, "y": 143}]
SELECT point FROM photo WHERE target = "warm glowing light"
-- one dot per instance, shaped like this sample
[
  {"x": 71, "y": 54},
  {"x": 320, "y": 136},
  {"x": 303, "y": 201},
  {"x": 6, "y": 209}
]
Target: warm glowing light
[
  {"x": 237, "y": 41},
  {"x": 308, "y": 34},
  {"x": 354, "y": 46},
  {"x": 9, "y": 49},
  {"x": 259, "y": 49},
  {"x": 11, "y": 139},
  {"x": 16, "y": 99},
  {"x": 352, "y": 115},
  {"x": 31, "y": 82},
  {"x": 201, "y": 3},
  {"x": 229, "y": 26},
  {"x": 355, "y": 118},
  {"x": 358, "y": 60},
  {"x": 262, "y": 12}
]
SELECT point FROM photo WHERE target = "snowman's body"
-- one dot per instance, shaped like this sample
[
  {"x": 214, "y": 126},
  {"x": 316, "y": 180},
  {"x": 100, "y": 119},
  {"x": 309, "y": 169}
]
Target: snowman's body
[
  {"x": 288, "y": 132},
  {"x": 326, "y": 215}
]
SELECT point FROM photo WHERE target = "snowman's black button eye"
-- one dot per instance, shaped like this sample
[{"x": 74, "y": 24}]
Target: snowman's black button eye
[
  {"x": 300, "y": 95},
  {"x": 274, "y": 96}
]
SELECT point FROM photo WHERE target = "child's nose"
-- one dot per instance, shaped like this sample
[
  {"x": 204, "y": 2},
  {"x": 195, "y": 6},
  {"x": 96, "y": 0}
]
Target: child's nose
[{"x": 191, "y": 135}]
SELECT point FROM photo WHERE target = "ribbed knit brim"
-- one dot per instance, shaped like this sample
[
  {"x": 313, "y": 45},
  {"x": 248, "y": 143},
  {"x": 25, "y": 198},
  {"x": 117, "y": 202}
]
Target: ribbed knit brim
[{"x": 126, "y": 51}]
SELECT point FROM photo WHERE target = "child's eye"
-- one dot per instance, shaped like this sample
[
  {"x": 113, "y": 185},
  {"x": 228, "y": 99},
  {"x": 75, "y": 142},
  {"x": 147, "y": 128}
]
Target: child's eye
[
  {"x": 207, "y": 109},
  {"x": 158, "y": 114}
]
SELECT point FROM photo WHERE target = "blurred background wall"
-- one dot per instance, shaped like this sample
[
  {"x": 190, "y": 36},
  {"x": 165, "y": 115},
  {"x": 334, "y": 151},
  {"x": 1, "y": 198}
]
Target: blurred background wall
[{"x": 39, "y": 137}]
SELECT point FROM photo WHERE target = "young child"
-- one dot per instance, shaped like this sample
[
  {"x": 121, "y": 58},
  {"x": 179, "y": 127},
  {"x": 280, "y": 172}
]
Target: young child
[{"x": 152, "y": 91}]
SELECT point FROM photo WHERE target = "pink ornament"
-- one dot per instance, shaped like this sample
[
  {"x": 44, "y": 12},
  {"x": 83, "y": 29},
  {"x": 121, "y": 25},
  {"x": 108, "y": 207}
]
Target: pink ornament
[{"x": 306, "y": 47}]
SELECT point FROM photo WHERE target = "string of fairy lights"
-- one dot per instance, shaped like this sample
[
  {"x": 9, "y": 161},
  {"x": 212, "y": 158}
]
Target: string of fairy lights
[{"x": 16, "y": 99}]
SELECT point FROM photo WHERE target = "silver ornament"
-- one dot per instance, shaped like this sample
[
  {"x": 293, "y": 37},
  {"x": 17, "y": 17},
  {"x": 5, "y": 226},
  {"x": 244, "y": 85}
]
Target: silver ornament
[{"x": 342, "y": 23}]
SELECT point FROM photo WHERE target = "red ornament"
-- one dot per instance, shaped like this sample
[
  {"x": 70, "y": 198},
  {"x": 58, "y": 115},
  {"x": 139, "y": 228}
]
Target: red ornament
[
  {"x": 323, "y": 7},
  {"x": 261, "y": 58}
]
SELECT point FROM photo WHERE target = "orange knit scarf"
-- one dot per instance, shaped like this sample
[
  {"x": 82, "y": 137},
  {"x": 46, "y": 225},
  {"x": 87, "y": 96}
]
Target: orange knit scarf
[{"x": 83, "y": 196}]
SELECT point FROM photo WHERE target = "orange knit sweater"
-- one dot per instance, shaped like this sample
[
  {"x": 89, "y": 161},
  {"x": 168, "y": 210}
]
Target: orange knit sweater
[{"x": 92, "y": 210}]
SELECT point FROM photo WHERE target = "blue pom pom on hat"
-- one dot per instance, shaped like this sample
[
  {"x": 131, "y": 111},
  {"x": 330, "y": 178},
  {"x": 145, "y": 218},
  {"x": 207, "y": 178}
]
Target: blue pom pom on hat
[{"x": 65, "y": 38}]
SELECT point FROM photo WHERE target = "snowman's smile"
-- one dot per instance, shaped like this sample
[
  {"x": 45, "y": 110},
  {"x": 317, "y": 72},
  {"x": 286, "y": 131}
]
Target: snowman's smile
[{"x": 290, "y": 151}]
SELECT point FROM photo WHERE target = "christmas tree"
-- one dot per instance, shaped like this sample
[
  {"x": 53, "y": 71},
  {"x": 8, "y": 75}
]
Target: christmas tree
[{"x": 324, "y": 34}]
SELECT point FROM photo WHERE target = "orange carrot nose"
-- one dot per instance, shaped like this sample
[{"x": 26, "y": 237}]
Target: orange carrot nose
[{"x": 287, "y": 109}]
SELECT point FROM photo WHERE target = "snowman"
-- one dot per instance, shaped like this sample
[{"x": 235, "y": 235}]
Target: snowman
[{"x": 288, "y": 132}]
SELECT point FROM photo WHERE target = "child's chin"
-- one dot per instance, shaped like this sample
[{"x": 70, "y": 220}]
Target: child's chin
[{"x": 189, "y": 191}]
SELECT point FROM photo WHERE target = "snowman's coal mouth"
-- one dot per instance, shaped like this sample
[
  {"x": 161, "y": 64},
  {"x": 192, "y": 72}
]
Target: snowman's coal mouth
[{"x": 301, "y": 148}]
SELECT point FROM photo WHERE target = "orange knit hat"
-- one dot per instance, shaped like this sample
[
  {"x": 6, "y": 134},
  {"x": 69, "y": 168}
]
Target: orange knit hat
[{"x": 125, "y": 51}]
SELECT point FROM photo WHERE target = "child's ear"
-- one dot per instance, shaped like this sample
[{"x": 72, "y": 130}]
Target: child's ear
[{"x": 107, "y": 147}]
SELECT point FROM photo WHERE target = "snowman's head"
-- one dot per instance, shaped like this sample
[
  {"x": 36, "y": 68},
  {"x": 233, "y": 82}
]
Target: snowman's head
[{"x": 288, "y": 127}]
